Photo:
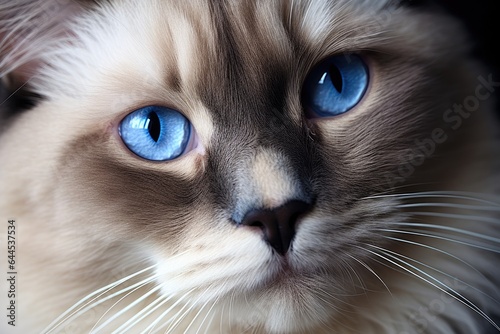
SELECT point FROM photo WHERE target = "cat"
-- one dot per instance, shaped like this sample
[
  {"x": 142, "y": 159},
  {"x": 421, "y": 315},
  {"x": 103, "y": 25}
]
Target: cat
[{"x": 225, "y": 166}]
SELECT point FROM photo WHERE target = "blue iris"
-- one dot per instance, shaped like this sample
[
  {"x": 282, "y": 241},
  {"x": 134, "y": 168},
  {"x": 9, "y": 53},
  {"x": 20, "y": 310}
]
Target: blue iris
[
  {"x": 156, "y": 133},
  {"x": 335, "y": 85}
]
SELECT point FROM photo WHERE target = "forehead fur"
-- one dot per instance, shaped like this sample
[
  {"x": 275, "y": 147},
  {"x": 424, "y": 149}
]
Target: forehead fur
[{"x": 176, "y": 44}]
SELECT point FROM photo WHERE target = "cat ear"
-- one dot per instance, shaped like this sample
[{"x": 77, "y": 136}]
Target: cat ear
[{"x": 28, "y": 29}]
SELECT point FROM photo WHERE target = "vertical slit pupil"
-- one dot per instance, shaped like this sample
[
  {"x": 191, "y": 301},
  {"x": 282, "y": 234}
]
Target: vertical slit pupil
[
  {"x": 154, "y": 126},
  {"x": 336, "y": 78}
]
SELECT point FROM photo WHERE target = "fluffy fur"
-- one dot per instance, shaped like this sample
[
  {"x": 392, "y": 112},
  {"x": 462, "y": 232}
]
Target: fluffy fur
[{"x": 404, "y": 234}]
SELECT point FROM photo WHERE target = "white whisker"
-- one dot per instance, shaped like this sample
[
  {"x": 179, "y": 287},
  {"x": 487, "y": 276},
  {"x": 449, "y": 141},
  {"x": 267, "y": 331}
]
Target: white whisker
[
  {"x": 192, "y": 320},
  {"x": 436, "y": 194},
  {"x": 75, "y": 308},
  {"x": 444, "y": 238},
  {"x": 450, "y": 205},
  {"x": 143, "y": 314},
  {"x": 337, "y": 299},
  {"x": 441, "y": 272},
  {"x": 446, "y": 288},
  {"x": 211, "y": 308},
  {"x": 174, "y": 321},
  {"x": 130, "y": 306},
  {"x": 457, "y": 216},
  {"x": 371, "y": 271},
  {"x": 193, "y": 306},
  {"x": 229, "y": 315},
  {"x": 118, "y": 293},
  {"x": 221, "y": 321},
  {"x": 350, "y": 269},
  {"x": 436, "y": 250},
  {"x": 207, "y": 327},
  {"x": 152, "y": 326},
  {"x": 450, "y": 229}
]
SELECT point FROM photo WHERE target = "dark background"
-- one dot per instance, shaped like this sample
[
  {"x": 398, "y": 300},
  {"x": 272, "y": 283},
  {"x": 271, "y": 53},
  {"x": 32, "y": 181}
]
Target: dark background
[{"x": 482, "y": 21}]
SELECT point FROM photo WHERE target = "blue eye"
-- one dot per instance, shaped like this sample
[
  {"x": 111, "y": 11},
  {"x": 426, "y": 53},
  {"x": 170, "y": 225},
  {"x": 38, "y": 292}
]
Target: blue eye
[
  {"x": 156, "y": 133},
  {"x": 335, "y": 85}
]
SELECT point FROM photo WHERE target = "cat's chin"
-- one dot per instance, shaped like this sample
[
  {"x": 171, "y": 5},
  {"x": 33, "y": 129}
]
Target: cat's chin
[
  {"x": 278, "y": 294},
  {"x": 295, "y": 297},
  {"x": 289, "y": 303}
]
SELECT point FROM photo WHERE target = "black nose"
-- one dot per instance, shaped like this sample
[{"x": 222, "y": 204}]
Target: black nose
[{"x": 278, "y": 224}]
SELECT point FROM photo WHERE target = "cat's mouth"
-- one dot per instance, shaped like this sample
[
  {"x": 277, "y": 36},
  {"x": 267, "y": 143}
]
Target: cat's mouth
[{"x": 287, "y": 267}]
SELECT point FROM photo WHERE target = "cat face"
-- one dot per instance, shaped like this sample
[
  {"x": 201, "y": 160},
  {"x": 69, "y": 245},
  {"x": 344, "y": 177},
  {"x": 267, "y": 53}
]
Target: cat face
[{"x": 255, "y": 149}]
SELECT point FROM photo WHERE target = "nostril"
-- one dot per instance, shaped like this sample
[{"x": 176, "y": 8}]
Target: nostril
[
  {"x": 267, "y": 221},
  {"x": 278, "y": 225}
]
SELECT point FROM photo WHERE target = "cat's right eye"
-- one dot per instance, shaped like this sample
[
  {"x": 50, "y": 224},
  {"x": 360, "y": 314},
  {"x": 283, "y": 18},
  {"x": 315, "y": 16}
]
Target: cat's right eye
[
  {"x": 335, "y": 86},
  {"x": 156, "y": 133}
]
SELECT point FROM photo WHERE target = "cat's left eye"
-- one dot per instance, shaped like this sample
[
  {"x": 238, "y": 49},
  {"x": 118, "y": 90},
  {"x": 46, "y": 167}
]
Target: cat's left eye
[
  {"x": 335, "y": 86},
  {"x": 156, "y": 133}
]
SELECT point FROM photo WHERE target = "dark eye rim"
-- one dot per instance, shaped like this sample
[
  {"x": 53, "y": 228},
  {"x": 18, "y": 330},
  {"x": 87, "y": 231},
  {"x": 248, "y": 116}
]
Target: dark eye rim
[{"x": 312, "y": 115}]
